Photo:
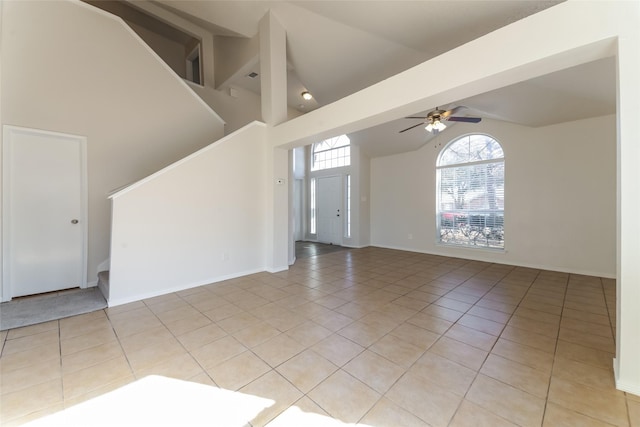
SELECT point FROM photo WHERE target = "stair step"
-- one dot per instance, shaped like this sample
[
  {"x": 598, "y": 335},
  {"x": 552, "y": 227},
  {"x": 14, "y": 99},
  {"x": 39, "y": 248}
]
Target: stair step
[{"x": 103, "y": 283}]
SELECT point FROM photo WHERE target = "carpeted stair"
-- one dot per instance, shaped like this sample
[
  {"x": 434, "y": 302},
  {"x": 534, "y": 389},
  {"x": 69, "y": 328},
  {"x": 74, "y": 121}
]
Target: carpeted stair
[{"x": 103, "y": 283}]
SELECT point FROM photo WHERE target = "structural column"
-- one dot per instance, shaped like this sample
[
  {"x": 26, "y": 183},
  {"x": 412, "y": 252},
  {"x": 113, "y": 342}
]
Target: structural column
[
  {"x": 273, "y": 70},
  {"x": 627, "y": 362},
  {"x": 2, "y": 297},
  {"x": 273, "y": 81}
]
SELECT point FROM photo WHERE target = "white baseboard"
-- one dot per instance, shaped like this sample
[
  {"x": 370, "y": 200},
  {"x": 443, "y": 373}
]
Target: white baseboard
[
  {"x": 624, "y": 385},
  {"x": 628, "y": 387},
  {"x": 113, "y": 302},
  {"x": 481, "y": 255},
  {"x": 277, "y": 269}
]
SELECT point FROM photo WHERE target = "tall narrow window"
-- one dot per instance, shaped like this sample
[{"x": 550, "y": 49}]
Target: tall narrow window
[
  {"x": 348, "y": 208},
  {"x": 312, "y": 213},
  {"x": 331, "y": 153},
  {"x": 470, "y": 188}
]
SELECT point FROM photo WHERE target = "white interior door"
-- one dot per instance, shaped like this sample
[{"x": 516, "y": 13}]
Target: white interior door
[
  {"x": 44, "y": 212},
  {"x": 329, "y": 209}
]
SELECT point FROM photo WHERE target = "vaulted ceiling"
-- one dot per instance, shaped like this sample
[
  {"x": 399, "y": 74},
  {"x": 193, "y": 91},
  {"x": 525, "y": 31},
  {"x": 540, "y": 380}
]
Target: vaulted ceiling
[{"x": 335, "y": 48}]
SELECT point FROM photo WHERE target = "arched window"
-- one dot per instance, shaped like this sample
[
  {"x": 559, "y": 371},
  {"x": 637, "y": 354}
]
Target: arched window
[
  {"x": 331, "y": 153},
  {"x": 470, "y": 188}
]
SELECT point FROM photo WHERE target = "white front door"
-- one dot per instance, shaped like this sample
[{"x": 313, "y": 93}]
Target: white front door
[
  {"x": 329, "y": 209},
  {"x": 44, "y": 212}
]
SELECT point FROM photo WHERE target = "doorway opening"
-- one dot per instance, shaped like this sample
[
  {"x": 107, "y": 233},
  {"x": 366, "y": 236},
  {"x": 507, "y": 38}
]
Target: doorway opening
[{"x": 313, "y": 249}]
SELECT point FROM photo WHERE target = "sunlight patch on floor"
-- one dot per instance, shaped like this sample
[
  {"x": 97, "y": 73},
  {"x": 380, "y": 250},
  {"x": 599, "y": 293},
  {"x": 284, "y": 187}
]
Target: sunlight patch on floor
[{"x": 157, "y": 400}]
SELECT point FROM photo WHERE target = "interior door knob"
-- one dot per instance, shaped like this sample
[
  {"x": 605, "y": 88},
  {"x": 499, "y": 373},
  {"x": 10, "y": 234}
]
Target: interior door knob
[{"x": 74, "y": 221}]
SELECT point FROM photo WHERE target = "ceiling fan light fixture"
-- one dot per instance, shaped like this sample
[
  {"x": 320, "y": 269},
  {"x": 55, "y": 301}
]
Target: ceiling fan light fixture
[
  {"x": 306, "y": 96},
  {"x": 434, "y": 119},
  {"x": 436, "y": 125}
]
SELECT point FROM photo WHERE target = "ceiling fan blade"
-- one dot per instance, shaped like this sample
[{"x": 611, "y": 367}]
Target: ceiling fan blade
[
  {"x": 410, "y": 127},
  {"x": 451, "y": 112},
  {"x": 464, "y": 119}
]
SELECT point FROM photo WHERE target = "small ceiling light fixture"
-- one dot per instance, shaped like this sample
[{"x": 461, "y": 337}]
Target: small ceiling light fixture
[
  {"x": 306, "y": 96},
  {"x": 436, "y": 125}
]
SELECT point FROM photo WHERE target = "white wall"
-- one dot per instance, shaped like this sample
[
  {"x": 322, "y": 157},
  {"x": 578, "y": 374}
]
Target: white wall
[
  {"x": 359, "y": 172},
  {"x": 205, "y": 36},
  {"x": 234, "y": 54},
  {"x": 230, "y": 55},
  {"x": 93, "y": 77},
  {"x": 626, "y": 366},
  {"x": 1, "y": 136},
  {"x": 363, "y": 199},
  {"x": 237, "y": 110},
  {"x": 171, "y": 52},
  {"x": 198, "y": 221},
  {"x": 560, "y": 188}
]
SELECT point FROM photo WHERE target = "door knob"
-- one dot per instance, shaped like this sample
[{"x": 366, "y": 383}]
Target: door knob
[{"x": 74, "y": 221}]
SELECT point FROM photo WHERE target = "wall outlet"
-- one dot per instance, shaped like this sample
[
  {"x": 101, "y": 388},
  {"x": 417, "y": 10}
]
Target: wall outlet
[{"x": 410, "y": 236}]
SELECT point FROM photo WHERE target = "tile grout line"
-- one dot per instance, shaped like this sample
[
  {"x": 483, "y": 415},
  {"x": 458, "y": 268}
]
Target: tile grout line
[
  {"x": 442, "y": 335},
  {"x": 363, "y": 263},
  {"x": 118, "y": 338},
  {"x": 178, "y": 340},
  {"x": 61, "y": 367},
  {"x": 555, "y": 350},
  {"x": 613, "y": 334},
  {"x": 382, "y": 395},
  {"x": 492, "y": 347}
]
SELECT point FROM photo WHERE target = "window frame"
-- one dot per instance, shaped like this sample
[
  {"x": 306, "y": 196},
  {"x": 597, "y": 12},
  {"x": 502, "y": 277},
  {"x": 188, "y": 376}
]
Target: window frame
[
  {"x": 312, "y": 206},
  {"x": 347, "y": 202},
  {"x": 346, "y": 159},
  {"x": 489, "y": 222}
]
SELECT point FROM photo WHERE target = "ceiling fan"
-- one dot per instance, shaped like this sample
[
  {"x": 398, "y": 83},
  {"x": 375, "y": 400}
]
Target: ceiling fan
[{"x": 434, "y": 119}]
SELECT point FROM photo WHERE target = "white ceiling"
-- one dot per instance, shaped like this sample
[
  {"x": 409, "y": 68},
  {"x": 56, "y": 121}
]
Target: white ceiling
[{"x": 335, "y": 48}]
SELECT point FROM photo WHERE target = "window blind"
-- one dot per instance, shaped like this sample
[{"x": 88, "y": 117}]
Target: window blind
[{"x": 470, "y": 209}]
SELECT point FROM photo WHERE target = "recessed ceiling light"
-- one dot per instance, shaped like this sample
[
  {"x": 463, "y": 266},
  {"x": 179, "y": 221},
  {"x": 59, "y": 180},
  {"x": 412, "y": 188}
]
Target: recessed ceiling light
[
  {"x": 306, "y": 96},
  {"x": 252, "y": 75}
]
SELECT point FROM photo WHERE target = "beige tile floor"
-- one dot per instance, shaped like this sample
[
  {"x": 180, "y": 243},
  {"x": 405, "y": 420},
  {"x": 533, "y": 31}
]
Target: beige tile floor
[{"x": 371, "y": 336}]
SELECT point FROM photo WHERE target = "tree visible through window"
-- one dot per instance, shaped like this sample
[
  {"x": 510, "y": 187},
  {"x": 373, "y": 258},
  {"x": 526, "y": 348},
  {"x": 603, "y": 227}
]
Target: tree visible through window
[{"x": 470, "y": 209}]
